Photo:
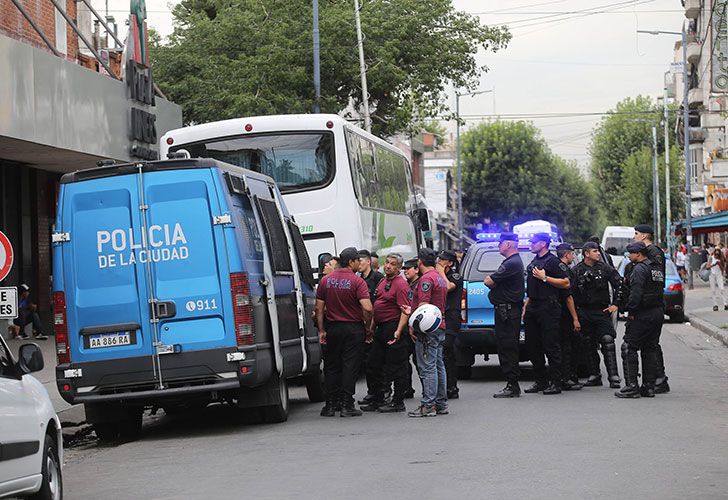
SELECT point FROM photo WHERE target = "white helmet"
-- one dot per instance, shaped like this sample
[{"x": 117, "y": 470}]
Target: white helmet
[{"x": 426, "y": 318}]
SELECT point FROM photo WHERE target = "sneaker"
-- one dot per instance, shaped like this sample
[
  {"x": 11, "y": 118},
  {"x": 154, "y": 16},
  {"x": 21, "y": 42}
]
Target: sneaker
[
  {"x": 570, "y": 385},
  {"x": 553, "y": 388},
  {"x": 372, "y": 406},
  {"x": 328, "y": 411},
  {"x": 40, "y": 336},
  {"x": 367, "y": 399},
  {"x": 663, "y": 387},
  {"x": 409, "y": 394},
  {"x": 392, "y": 407},
  {"x": 536, "y": 387},
  {"x": 453, "y": 394},
  {"x": 628, "y": 392},
  {"x": 593, "y": 382},
  {"x": 423, "y": 411},
  {"x": 350, "y": 411},
  {"x": 442, "y": 411},
  {"x": 511, "y": 390},
  {"x": 647, "y": 392},
  {"x": 24, "y": 336}
]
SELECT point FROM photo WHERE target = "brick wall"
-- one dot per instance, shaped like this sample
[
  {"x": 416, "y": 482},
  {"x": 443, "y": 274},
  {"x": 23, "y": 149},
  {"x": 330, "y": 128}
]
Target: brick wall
[{"x": 43, "y": 13}]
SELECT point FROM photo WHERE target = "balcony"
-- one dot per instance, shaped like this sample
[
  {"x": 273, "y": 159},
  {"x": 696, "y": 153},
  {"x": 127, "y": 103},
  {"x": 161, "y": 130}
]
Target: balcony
[
  {"x": 693, "y": 53},
  {"x": 692, "y": 9}
]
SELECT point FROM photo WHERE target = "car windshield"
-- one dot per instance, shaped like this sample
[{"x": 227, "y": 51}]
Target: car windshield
[
  {"x": 296, "y": 161},
  {"x": 616, "y": 245},
  {"x": 488, "y": 261}
]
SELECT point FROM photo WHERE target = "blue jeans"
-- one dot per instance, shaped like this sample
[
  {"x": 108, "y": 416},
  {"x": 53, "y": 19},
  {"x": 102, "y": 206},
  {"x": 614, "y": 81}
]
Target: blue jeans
[{"x": 431, "y": 366}]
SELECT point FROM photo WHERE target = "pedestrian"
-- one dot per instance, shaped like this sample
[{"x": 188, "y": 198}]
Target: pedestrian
[
  {"x": 595, "y": 307},
  {"x": 569, "y": 325},
  {"x": 546, "y": 275},
  {"x": 331, "y": 266},
  {"x": 680, "y": 261},
  {"x": 375, "y": 261},
  {"x": 27, "y": 315},
  {"x": 716, "y": 264},
  {"x": 372, "y": 279},
  {"x": 645, "y": 233},
  {"x": 389, "y": 354},
  {"x": 345, "y": 299},
  {"x": 506, "y": 294},
  {"x": 431, "y": 289},
  {"x": 645, "y": 312},
  {"x": 412, "y": 275},
  {"x": 447, "y": 266}
]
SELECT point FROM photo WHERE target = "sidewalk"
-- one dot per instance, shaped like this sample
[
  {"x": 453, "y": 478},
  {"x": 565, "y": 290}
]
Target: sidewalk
[{"x": 699, "y": 310}]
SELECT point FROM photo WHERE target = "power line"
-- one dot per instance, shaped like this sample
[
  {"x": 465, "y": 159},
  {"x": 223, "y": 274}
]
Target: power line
[{"x": 601, "y": 9}]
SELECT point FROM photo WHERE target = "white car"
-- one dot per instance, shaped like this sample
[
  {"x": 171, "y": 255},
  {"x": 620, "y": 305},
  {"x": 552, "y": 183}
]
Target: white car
[{"x": 31, "y": 443}]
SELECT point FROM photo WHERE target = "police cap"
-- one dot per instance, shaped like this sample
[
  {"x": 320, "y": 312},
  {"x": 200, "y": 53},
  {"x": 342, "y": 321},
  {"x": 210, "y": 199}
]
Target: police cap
[
  {"x": 638, "y": 247},
  {"x": 545, "y": 237},
  {"x": 409, "y": 264},
  {"x": 590, "y": 245},
  {"x": 565, "y": 247},
  {"x": 508, "y": 237},
  {"x": 448, "y": 255},
  {"x": 427, "y": 256},
  {"x": 347, "y": 255},
  {"x": 644, "y": 228}
]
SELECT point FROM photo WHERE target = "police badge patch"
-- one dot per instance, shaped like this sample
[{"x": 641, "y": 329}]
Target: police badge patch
[
  {"x": 563, "y": 267},
  {"x": 426, "y": 286}
]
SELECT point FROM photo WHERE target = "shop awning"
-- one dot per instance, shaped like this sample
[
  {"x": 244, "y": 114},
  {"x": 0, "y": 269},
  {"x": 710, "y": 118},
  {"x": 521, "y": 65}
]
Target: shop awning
[{"x": 713, "y": 223}]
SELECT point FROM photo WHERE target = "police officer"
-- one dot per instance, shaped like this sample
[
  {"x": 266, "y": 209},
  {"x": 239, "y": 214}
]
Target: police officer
[
  {"x": 569, "y": 326},
  {"x": 345, "y": 299},
  {"x": 447, "y": 266},
  {"x": 606, "y": 258},
  {"x": 389, "y": 353},
  {"x": 506, "y": 294},
  {"x": 412, "y": 275},
  {"x": 645, "y": 234},
  {"x": 372, "y": 279},
  {"x": 590, "y": 286},
  {"x": 645, "y": 310},
  {"x": 546, "y": 275}
]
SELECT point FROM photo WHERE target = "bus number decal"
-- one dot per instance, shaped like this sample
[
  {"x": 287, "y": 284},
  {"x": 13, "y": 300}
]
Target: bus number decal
[{"x": 201, "y": 305}]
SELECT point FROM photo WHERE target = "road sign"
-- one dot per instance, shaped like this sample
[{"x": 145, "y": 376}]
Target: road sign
[
  {"x": 8, "y": 302},
  {"x": 676, "y": 67},
  {"x": 6, "y": 256}
]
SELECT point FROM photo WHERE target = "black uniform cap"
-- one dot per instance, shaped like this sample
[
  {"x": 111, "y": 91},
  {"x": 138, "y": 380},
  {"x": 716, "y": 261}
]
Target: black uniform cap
[
  {"x": 409, "y": 264},
  {"x": 448, "y": 255},
  {"x": 590, "y": 245},
  {"x": 638, "y": 247},
  {"x": 644, "y": 228},
  {"x": 563, "y": 247},
  {"x": 508, "y": 237},
  {"x": 348, "y": 254},
  {"x": 427, "y": 256}
]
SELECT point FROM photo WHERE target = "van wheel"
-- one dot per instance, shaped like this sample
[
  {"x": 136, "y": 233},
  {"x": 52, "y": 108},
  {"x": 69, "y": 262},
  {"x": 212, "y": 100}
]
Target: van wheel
[
  {"x": 131, "y": 427},
  {"x": 106, "y": 432},
  {"x": 315, "y": 386},
  {"x": 52, "y": 486},
  {"x": 278, "y": 412},
  {"x": 464, "y": 372}
]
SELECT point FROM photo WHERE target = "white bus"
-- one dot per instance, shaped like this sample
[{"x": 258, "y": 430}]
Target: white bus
[{"x": 344, "y": 186}]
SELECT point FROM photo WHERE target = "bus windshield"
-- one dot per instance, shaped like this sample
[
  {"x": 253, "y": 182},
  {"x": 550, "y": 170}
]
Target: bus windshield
[{"x": 296, "y": 161}]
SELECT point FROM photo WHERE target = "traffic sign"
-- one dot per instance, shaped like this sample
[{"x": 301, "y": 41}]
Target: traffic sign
[
  {"x": 8, "y": 302},
  {"x": 6, "y": 256}
]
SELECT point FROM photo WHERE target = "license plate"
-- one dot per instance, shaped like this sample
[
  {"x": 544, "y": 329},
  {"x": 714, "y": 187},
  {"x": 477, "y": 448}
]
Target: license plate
[{"x": 109, "y": 340}]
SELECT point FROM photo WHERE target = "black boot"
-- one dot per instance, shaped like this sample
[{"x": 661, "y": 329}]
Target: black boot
[
  {"x": 570, "y": 385},
  {"x": 453, "y": 393},
  {"x": 593, "y": 381},
  {"x": 630, "y": 367},
  {"x": 329, "y": 409},
  {"x": 511, "y": 390},
  {"x": 553, "y": 388},
  {"x": 661, "y": 385},
  {"x": 373, "y": 405},
  {"x": 649, "y": 367},
  {"x": 536, "y": 387},
  {"x": 348, "y": 410},
  {"x": 609, "y": 351},
  {"x": 393, "y": 407},
  {"x": 592, "y": 359}
]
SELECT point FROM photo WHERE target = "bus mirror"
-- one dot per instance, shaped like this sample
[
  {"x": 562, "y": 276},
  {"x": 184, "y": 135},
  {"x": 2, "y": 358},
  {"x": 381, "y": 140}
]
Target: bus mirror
[{"x": 422, "y": 217}]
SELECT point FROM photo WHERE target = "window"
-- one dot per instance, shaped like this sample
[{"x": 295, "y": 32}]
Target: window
[
  {"x": 380, "y": 175},
  {"x": 488, "y": 262},
  {"x": 696, "y": 163},
  {"x": 296, "y": 161}
]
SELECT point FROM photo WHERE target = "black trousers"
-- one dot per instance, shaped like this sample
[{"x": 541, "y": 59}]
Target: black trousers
[
  {"x": 596, "y": 325},
  {"x": 507, "y": 332},
  {"x": 570, "y": 348},
  {"x": 542, "y": 338},
  {"x": 344, "y": 345},
  {"x": 388, "y": 363},
  {"x": 448, "y": 354},
  {"x": 642, "y": 333}
]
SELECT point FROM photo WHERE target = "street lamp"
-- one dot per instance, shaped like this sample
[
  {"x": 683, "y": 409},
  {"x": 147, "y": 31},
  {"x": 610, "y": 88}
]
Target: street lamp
[
  {"x": 458, "y": 95},
  {"x": 686, "y": 145}
]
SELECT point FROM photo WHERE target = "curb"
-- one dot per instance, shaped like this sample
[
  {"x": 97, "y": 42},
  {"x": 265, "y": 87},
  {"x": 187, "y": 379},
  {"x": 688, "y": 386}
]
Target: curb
[{"x": 709, "y": 329}]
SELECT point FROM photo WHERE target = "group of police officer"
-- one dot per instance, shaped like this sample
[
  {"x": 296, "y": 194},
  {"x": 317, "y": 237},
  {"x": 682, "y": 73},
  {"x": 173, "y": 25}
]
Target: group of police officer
[
  {"x": 363, "y": 313},
  {"x": 567, "y": 308}
]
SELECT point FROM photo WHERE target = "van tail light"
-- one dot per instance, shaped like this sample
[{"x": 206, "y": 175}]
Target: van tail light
[
  {"x": 675, "y": 287},
  {"x": 60, "y": 328},
  {"x": 464, "y": 306},
  {"x": 242, "y": 310}
]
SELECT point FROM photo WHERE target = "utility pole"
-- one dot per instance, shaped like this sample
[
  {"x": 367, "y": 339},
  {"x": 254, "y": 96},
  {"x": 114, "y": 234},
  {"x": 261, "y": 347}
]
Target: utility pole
[
  {"x": 668, "y": 210},
  {"x": 362, "y": 69},
  {"x": 316, "y": 59},
  {"x": 655, "y": 186}
]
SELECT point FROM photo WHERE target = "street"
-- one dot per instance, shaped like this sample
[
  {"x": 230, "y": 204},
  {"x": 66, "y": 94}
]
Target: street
[{"x": 577, "y": 445}]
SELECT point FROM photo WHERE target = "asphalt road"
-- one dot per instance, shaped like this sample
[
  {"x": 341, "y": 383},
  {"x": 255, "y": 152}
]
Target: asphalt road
[{"x": 576, "y": 445}]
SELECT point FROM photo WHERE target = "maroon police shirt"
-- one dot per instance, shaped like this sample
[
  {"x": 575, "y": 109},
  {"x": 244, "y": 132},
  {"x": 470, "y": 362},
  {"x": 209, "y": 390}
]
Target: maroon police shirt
[
  {"x": 391, "y": 296},
  {"x": 431, "y": 289},
  {"x": 342, "y": 290}
]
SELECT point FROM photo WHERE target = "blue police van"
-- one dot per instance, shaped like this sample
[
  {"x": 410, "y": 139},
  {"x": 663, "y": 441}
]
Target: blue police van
[{"x": 178, "y": 283}]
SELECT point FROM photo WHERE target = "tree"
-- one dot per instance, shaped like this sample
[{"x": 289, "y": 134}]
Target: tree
[
  {"x": 510, "y": 175},
  {"x": 230, "y": 58}
]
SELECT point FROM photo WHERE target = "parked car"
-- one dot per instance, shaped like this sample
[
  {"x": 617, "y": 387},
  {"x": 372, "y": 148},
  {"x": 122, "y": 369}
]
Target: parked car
[
  {"x": 177, "y": 283},
  {"x": 674, "y": 292},
  {"x": 31, "y": 444}
]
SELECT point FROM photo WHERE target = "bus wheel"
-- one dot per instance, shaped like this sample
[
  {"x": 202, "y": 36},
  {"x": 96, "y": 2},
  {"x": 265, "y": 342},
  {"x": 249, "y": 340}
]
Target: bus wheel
[
  {"x": 106, "y": 432},
  {"x": 315, "y": 386},
  {"x": 278, "y": 412}
]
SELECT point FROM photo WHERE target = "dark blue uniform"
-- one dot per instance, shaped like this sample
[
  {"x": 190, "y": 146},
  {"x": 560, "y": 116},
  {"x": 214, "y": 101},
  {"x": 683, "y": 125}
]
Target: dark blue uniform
[{"x": 507, "y": 299}]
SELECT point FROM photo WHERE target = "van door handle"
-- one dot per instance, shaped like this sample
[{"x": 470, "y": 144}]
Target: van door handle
[{"x": 164, "y": 309}]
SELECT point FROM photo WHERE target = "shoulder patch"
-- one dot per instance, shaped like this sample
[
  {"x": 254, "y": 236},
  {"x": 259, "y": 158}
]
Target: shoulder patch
[
  {"x": 411, "y": 294},
  {"x": 501, "y": 269},
  {"x": 456, "y": 276},
  {"x": 426, "y": 285},
  {"x": 563, "y": 267}
]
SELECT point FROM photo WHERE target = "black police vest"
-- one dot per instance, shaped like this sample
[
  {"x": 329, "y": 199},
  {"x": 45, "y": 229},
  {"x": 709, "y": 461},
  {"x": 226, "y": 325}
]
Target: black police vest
[
  {"x": 653, "y": 294},
  {"x": 592, "y": 286}
]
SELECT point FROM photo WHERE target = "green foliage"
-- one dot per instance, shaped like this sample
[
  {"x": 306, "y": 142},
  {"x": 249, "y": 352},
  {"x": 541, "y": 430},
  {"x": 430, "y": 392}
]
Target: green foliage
[
  {"x": 510, "y": 175},
  {"x": 231, "y": 58}
]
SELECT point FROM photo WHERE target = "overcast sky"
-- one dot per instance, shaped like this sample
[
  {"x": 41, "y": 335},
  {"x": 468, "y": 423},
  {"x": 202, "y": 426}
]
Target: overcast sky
[{"x": 566, "y": 56}]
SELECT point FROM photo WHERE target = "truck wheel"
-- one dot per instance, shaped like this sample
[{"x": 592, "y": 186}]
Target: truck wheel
[
  {"x": 106, "y": 432},
  {"x": 464, "y": 372},
  {"x": 131, "y": 427},
  {"x": 315, "y": 386},
  {"x": 677, "y": 318},
  {"x": 52, "y": 486},
  {"x": 278, "y": 412}
]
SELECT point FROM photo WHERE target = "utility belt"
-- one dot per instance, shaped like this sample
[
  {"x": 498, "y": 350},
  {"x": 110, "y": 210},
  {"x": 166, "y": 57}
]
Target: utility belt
[
  {"x": 544, "y": 301},
  {"x": 508, "y": 310}
]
